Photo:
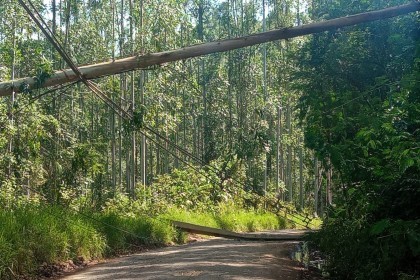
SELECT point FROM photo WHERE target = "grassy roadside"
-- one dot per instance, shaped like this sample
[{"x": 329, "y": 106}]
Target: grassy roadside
[{"x": 32, "y": 236}]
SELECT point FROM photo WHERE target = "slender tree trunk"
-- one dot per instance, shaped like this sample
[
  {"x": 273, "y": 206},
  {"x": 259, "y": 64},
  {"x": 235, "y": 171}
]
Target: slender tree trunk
[
  {"x": 166, "y": 151},
  {"x": 113, "y": 120},
  {"x": 320, "y": 195},
  {"x": 12, "y": 99},
  {"x": 265, "y": 93},
  {"x": 133, "y": 107},
  {"x": 54, "y": 16},
  {"x": 329, "y": 184},
  {"x": 122, "y": 87},
  {"x": 158, "y": 159},
  {"x": 301, "y": 175},
  {"x": 278, "y": 147},
  {"x": 316, "y": 174},
  {"x": 150, "y": 165},
  {"x": 289, "y": 153},
  {"x": 143, "y": 154}
]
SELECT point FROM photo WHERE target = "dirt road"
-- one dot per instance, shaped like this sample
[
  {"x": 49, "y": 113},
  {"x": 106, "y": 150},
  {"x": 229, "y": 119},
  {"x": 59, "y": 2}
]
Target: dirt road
[{"x": 215, "y": 258}]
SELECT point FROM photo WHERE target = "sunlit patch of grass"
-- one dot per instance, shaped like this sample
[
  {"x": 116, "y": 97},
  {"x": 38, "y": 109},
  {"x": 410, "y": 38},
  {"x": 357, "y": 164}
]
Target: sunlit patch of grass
[
  {"x": 301, "y": 221},
  {"x": 183, "y": 215},
  {"x": 229, "y": 218},
  {"x": 241, "y": 220}
]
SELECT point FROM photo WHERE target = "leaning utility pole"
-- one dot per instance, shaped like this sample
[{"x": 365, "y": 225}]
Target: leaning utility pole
[{"x": 142, "y": 61}]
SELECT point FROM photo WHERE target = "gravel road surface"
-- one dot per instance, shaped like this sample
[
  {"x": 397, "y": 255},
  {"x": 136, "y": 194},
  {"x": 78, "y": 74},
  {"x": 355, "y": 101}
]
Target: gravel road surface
[{"x": 216, "y": 258}]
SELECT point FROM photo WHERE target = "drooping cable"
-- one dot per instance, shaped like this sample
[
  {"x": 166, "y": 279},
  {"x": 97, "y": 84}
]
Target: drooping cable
[{"x": 37, "y": 18}]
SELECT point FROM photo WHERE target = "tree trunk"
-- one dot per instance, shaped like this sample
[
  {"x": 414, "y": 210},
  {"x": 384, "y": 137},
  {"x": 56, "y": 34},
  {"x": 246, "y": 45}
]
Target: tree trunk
[
  {"x": 301, "y": 175},
  {"x": 133, "y": 161},
  {"x": 289, "y": 153},
  {"x": 316, "y": 186},
  {"x": 147, "y": 60}
]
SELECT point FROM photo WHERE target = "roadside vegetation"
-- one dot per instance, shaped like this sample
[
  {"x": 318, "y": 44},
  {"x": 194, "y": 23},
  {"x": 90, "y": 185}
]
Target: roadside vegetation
[{"x": 34, "y": 234}]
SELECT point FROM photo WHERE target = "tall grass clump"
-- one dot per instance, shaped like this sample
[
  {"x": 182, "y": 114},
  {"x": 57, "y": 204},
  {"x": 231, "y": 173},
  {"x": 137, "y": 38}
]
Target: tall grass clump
[
  {"x": 6, "y": 257},
  {"x": 84, "y": 239},
  {"x": 237, "y": 219},
  {"x": 32, "y": 235},
  {"x": 193, "y": 217},
  {"x": 126, "y": 233},
  {"x": 229, "y": 217}
]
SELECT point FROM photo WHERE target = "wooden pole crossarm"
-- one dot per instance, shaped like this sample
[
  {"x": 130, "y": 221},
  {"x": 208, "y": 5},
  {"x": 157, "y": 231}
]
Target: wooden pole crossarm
[{"x": 144, "y": 61}]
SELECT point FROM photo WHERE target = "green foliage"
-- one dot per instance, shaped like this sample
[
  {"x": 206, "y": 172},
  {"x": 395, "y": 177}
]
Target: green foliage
[
  {"x": 44, "y": 71},
  {"x": 358, "y": 249},
  {"x": 184, "y": 189},
  {"x": 242, "y": 221}
]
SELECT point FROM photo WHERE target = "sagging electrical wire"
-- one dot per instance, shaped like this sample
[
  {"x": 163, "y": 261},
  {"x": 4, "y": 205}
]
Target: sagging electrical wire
[
  {"x": 37, "y": 18},
  {"x": 91, "y": 85}
]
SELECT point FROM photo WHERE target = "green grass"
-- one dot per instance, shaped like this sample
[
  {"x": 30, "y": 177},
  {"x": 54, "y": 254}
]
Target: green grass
[
  {"x": 33, "y": 235},
  {"x": 229, "y": 218},
  {"x": 243, "y": 221},
  {"x": 182, "y": 215},
  {"x": 30, "y": 236},
  {"x": 123, "y": 233}
]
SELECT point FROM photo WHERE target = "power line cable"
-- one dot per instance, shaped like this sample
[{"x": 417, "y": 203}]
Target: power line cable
[
  {"x": 53, "y": 40},
  {"x": 91, "y": 85}
]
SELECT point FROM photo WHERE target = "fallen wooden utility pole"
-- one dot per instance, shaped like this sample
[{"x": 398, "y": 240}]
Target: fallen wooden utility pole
[
  {"x": 281, "y": 235},
  {"x": 147, "y": 60}
]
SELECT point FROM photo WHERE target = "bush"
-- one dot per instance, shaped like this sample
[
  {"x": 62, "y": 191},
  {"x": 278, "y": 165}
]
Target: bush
[
  {"x": 363, "y": 249},
  {"x": 182, "y": 189}
]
